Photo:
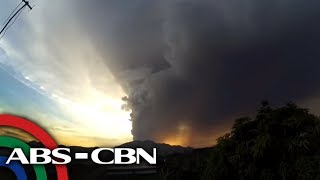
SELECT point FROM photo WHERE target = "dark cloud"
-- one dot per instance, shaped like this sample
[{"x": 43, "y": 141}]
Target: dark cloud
[{"x": 189, "y": 67}]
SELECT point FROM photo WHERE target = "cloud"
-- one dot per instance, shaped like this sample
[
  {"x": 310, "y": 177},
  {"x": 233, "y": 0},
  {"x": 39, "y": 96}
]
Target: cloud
[
  {"x": 188, "y": 67},
  {"x": 2, "y": 53},
  {"x": 19, "y": 134},
  {"x": 47, "y": 54}
]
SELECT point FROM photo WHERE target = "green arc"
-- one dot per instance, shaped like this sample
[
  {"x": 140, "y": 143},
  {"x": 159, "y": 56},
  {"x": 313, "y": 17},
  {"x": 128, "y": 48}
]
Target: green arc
[{"x": 10, "y": 142}]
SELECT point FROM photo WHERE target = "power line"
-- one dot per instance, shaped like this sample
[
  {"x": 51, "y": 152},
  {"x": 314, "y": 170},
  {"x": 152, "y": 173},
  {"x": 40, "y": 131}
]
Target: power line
[
  {"x": 26, "y": 3},
  {"x": 12, "y": 12},
  {"x": 11, "y": 23},
  {"x": 5, "y": 26}
]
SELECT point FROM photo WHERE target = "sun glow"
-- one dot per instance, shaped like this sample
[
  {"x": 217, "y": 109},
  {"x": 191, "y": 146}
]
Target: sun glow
[
  {"x": 99, "y": 116},
  {"x": 181, "y": 137},
  {"x": 80, "y": 97}
]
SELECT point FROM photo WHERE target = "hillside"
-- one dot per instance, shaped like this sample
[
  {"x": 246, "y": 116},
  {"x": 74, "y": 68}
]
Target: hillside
[{"x": 162, "y": 149}]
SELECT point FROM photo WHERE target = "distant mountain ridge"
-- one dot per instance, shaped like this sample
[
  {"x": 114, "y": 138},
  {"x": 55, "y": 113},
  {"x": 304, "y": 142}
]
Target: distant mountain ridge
[
  {"x": 148, "y": 145},
  {"x": 162, "y": 148}
]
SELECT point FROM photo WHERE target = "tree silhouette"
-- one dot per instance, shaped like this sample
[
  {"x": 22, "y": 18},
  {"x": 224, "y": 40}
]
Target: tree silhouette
[{"x": 278, "y": 143}]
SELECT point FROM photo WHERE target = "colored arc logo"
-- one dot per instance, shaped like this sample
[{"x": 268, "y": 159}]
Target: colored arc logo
[
  {"x": 10, "y": 142},
  {"x": 35, "y": 131}
]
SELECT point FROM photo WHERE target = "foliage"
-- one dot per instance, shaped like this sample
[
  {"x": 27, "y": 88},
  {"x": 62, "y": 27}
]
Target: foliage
[{"x": 279, "y": 143}]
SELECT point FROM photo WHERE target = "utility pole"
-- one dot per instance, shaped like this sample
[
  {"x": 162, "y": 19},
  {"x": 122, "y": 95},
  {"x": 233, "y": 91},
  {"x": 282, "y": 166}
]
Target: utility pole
[{"x": 26, "y": 3}]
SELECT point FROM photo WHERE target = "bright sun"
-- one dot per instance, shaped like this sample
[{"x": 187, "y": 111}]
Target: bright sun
[{"x": 99, "y": 116}]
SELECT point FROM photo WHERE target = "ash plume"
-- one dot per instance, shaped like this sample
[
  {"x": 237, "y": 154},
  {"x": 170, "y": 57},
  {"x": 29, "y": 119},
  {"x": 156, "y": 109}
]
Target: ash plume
[{"x": 189, "y": 67}]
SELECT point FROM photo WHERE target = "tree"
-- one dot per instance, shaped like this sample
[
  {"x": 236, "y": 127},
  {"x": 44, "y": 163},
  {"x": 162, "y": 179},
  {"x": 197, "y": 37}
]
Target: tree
[{"x": 278, "y": 143}]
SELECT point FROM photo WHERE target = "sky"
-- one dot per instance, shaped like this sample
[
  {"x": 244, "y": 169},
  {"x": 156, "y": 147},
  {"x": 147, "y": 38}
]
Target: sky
[
  {"x": 104, "y": 72},
  {"x": 59, "y": 81}
]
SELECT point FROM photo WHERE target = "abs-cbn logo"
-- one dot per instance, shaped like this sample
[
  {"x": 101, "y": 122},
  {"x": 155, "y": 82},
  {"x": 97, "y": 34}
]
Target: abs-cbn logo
[
  {"x": 46, "y": 156},
  {"x": 23, "y": 154}
]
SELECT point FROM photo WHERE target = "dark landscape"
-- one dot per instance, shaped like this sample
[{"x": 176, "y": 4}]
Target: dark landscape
[{"x": 277, "y": 143}]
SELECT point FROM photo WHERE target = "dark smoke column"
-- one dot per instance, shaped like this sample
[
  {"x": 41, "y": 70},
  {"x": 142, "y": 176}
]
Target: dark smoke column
[{"x": 190, "y": 67}]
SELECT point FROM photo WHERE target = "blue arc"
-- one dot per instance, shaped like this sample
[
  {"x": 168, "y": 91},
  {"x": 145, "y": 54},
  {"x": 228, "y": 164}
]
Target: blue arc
[{"x": 15, "y": 167}]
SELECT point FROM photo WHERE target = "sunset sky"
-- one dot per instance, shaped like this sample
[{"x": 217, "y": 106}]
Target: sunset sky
[
  {"x": 62, "y": 84},
  {"x": 105, "y": 72}
]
